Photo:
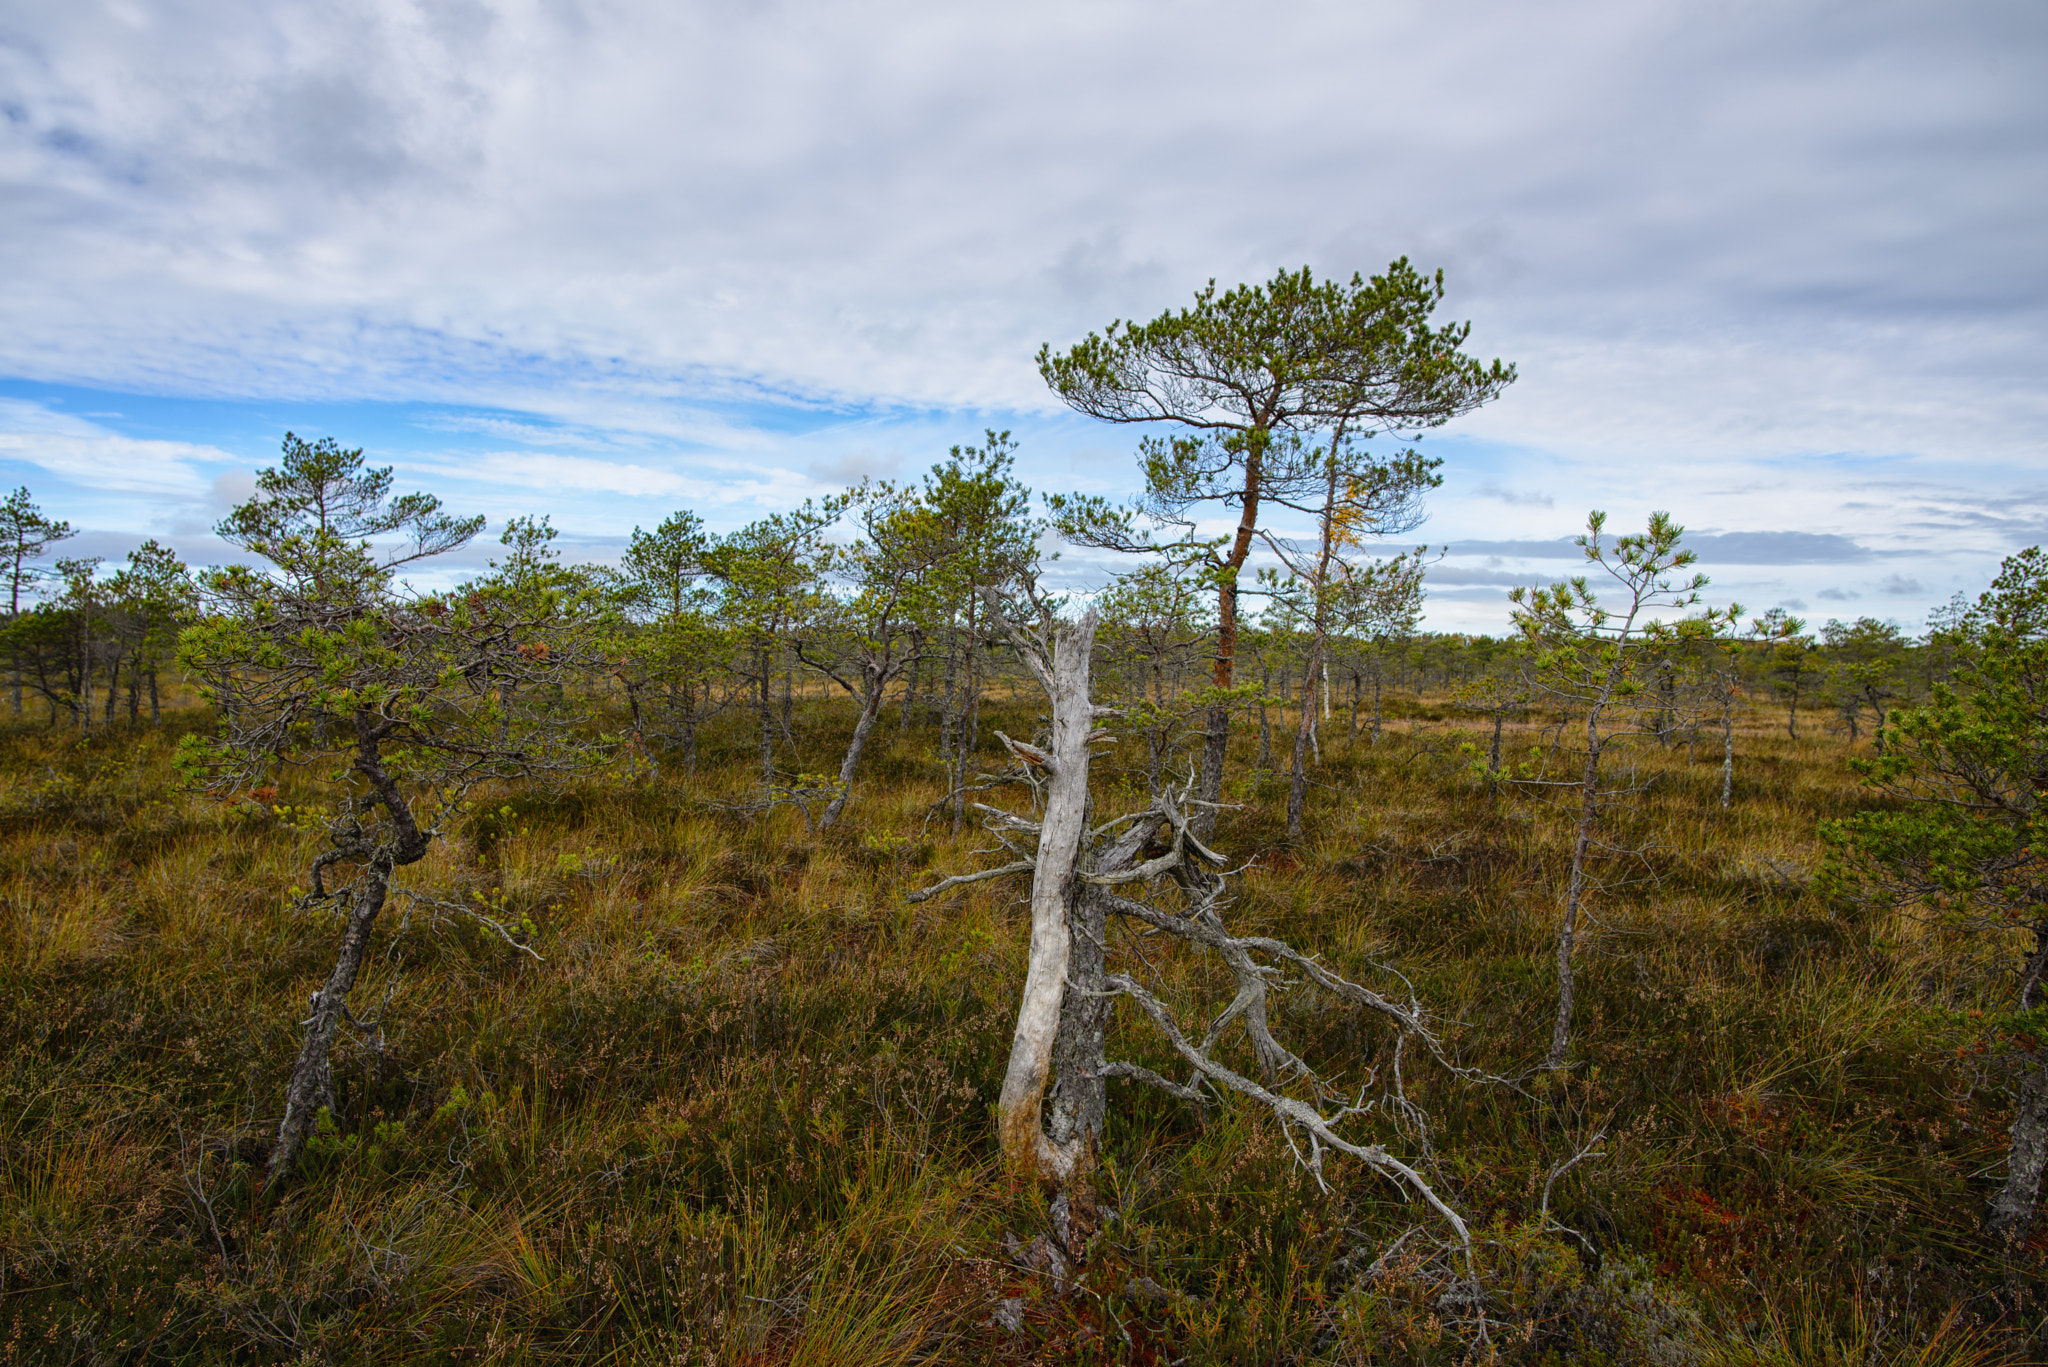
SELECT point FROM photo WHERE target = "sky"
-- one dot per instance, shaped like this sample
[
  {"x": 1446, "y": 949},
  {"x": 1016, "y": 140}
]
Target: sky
[{"x": 1777, "y": 268}]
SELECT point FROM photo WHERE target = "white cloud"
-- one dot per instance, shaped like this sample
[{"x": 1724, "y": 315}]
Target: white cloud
[
  {"x": 549, "y": 472},
  {"x": 1695, "y": 230},
  {"x": 85, "y": 453},
  {"x": 1767, "y": 265}
]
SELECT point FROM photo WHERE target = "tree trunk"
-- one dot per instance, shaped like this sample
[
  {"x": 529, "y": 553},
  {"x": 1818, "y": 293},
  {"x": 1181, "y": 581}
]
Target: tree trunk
[
  {"x": 1209, "y": 792},
  {"x": 1493, "y": 753},
  {"x": 1265, "y": 759},
  {"x": 312, "y": 1084},
  {"x": 910, "y": 688},
  {"x": 690, "y": 728},
  {"x": 1210, "y": 788},
  {"x": 947, "y": 709},
  {"x": 507, "y": 691},
  {"x": 636, "y": 749},
  {"x": 870, "y": 710},
  {"x": 1024, "y": 1142},
  {"x": 311, "y": 1081},
  {"x": 85, "y": 681},
  {"x": 1575, "y": 893},
  {"x": 1079, "y": 1100},
  {"x": 1727, "y": 751},
  {"x": 767, "y": 717},
  {"x": 970, "y": 725},
  {"x": 788, "y": 702},
  {"x": 2012, "y": 1210},
  {"x": 1297, "y": 787}
]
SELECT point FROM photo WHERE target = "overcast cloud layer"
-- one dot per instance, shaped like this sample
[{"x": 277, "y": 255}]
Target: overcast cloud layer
[{"x": 1777, "y": 267}]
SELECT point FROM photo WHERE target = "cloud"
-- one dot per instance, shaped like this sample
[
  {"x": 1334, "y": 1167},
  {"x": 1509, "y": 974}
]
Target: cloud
[
  {"x": 1725, "y": 548},
  {"x": 851, "y": 467},
  {"x": 507, "y": 429},
  {"x": 82, "y": 452},
  {"x": 554, "y": 473},
  {"x": 1695, "y": 232},
  {"x": 1898, "y": 585},
  {"x": 1453, "y": 574},
  {"x": 1836, "y": 595},
  {"x": 1517, "y": 498},
  {"x": 716, "y": 250}
]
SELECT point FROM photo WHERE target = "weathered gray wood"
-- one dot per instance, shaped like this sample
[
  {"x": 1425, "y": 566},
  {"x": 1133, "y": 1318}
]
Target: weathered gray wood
[{"x": 1024, "y": 1142}]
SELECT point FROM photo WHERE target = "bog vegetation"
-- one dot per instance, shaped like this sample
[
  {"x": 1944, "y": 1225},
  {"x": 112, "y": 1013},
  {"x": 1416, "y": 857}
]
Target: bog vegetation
[{"x": 819, "y": 943}]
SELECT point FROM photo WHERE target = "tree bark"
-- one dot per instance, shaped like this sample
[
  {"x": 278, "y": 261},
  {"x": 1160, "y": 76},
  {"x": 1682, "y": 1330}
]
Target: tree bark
[
  {"x": 311, "y": 1080},
  {"x": 311, "y": 1084},
  {"x": 1727, "y": 751},
  {"x": 1575, "y": 893},
  {"x": 85, "y": 679},
  {"x": 1297, "y": 787},
  {"x": 2012, "y": 1210},
  {"x": 1210, "y": 790},
  {"x": 870, "y": 711},
  {"x": 690, "y": 728},
  {"x": 1025, "y": 1144},
  {"x": 1080, "y": 1100},
  {"x": 767, "y": 717}
]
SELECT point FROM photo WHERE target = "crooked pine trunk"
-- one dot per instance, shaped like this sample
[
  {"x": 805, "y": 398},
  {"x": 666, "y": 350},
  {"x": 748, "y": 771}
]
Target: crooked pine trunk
[
  {"x": 2012, "y": 1210},
  {"x": 311, "y": 1082},
  {"x": 870, "y": 712},
  {"x": 1026, "y": 1147},
  {"x": 311, "y": 1085}
]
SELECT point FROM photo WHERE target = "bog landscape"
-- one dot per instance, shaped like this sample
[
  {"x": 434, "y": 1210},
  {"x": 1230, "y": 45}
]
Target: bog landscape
[{"x": 826, "y": 942}]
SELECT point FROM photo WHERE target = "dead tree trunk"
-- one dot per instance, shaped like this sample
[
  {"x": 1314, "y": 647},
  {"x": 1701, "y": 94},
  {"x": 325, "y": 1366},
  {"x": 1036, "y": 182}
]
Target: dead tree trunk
[
  {"x": 1057, "y": 1053},
  {"x": 1025, "y": 1143}
]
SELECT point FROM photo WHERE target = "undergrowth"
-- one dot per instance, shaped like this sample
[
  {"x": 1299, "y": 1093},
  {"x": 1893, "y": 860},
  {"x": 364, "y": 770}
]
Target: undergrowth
[{"x": 724, "y": 1096}]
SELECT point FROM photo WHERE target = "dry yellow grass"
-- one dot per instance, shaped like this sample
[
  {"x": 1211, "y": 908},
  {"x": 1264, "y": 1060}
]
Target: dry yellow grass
[{"x": 737, "y": 1109}]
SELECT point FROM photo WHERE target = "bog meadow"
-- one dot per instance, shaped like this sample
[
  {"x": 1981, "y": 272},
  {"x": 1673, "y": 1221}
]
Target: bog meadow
[{"x": 822, "y": 942}]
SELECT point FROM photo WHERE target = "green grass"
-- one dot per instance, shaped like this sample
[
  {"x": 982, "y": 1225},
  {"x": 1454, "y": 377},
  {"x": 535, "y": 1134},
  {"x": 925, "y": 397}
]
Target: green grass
[{"x": 739, "y": 1112}]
